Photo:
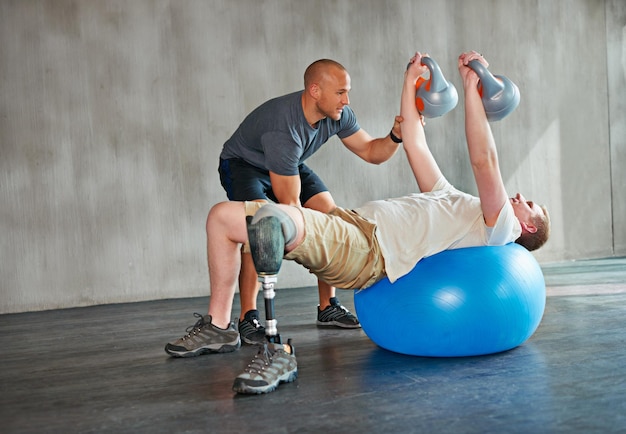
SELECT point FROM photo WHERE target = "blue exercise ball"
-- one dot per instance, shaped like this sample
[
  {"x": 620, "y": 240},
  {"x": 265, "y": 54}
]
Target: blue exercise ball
[{"x": 463, "y": 302}]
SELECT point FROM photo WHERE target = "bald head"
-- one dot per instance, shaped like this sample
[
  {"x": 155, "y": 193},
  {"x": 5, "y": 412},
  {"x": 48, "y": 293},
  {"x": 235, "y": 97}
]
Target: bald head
[
  {"x": 327, "y": 84},
  {"x": 318, "y": 70}
]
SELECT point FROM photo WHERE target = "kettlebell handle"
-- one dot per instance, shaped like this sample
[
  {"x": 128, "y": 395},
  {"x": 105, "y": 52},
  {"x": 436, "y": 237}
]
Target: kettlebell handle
[
  {"x": 436, "y": 96},
  {"x": 437, "y": 82},
  {"x": 491, "y": 86},
  {"x": 500, "y": 96}
]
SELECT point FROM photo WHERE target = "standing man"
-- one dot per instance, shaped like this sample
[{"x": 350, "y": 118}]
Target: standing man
[{"x": 264, "y": 160}]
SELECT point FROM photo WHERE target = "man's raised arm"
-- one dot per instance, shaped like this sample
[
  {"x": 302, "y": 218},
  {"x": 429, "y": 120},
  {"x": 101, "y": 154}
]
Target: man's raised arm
[
  {"x": 421, "y": 160},
  {"x": 481, "y": 144}
]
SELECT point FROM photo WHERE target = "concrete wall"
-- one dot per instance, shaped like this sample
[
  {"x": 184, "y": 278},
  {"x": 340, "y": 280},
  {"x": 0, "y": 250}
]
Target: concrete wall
[
  {"x": 113, "y": 113},
  {"x": 616, "y": 87}
]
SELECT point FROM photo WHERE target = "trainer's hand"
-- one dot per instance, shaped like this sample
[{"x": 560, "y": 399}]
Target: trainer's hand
[{"x": 397, "y": 131}]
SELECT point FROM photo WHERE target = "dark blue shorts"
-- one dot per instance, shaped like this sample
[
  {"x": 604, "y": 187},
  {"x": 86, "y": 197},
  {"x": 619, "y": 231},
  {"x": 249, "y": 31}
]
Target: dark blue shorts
[{"x": 243, "y": 181}]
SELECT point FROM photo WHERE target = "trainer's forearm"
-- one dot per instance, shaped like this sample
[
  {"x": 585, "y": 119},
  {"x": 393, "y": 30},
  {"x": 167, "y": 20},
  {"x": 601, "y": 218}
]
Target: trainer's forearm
[{"x": 381, "y": 150}]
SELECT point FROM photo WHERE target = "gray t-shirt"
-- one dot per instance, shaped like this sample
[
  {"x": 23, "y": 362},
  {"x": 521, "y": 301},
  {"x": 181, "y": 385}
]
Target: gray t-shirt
[{"x": 277, "y": 137}]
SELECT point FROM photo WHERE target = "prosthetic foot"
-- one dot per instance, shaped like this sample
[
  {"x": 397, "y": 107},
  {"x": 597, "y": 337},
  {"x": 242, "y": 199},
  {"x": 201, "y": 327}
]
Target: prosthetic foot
[{"x": 268, "y": 232}]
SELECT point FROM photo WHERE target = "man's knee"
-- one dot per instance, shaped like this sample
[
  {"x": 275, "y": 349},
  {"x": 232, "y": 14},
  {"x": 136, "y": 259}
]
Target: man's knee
[
  {"x": 287, "y": 224},
  {"x": 227, "y": 217},
  {"x": 216, "y": 213}
]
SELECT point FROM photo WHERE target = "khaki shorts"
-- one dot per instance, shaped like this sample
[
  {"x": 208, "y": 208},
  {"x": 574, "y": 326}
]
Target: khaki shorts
[{"x": 340, "y": 248}]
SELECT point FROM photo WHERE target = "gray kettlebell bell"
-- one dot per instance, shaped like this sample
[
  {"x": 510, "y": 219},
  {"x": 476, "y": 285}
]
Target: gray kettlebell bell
[
  {"x": 500, "y": 95},
  {"x": 435, "y": 96}
]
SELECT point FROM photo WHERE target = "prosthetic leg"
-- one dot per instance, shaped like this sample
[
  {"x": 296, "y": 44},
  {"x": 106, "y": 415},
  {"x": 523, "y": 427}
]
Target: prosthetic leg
[
  {"x": 269, "y": 231},
  {"x": 267, "y": 245}
]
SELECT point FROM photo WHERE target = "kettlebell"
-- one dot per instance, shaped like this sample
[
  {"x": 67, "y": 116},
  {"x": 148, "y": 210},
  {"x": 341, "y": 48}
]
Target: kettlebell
[
  {"x": 435, "y": 96},
  {"x": 499, "y": 94}
]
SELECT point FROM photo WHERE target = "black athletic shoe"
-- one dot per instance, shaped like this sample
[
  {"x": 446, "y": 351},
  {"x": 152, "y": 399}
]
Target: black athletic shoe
[
  {"x": 336, "y": 315},
  {"x": 250, "y": 328},
  {"x": 271, "y": 366},
  {"x": 203, "y": 337}
]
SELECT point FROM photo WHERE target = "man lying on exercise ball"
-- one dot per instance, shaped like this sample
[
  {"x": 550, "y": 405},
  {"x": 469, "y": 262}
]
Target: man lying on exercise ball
[{"x": 353, "y": 249}]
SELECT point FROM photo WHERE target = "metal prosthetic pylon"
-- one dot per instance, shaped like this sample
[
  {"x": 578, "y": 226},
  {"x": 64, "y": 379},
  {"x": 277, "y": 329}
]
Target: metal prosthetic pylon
[{"x": 271, "y": 324}]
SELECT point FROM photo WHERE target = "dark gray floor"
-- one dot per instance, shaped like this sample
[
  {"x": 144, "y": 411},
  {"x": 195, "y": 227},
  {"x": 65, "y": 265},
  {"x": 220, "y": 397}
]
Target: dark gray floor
[{"x": 103, "y": 369}]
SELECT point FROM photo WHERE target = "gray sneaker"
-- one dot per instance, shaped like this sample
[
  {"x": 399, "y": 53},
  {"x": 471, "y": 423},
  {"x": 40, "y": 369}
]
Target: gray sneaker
[
  {"x": 203, "y": 337},
  {"x": 336, "y": 315},
  {"x": 271, "y": 366}
]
